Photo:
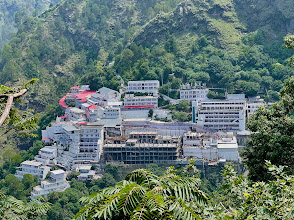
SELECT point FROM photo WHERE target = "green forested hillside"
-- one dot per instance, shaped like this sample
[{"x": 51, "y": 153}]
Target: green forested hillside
[
  {"x": 231, "y": 44},
  {"x": 12, "y": 12}
]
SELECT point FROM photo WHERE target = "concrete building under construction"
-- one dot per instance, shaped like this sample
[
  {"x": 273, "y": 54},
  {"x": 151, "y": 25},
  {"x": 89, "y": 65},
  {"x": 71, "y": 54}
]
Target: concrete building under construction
[{"x": 142, "y": 148}]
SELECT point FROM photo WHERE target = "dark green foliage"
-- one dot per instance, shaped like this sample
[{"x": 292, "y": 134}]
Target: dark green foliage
[
  {"x": 23, "y": 122},
  {"x": 272, "y": 135},
  {"x": 143, "y": 195},
  {"x": 175, "y": 195},
  {"x": 182, "y": 116},
  {"x": 65, "y": 204},
  {"x": 216, "y": 94},
  {"x": 11, "y": 208},
  {"x": 106, "y": 181},
  {"x": 184, "y": 106},
  {"x": 113, "y": 170},
  {"x": 150, "y": 113}
]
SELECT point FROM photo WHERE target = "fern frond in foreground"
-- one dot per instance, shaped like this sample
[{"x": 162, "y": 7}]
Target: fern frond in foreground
[
  {"x": 11, "y": 208},
  {"x": 176, "y": 195}
]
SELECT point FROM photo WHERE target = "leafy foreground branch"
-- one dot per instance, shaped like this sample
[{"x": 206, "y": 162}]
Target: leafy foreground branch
[
  {"x": 11, "y": 208},
  {"x": 176, "y": 195},
  {"x": 12, "y": 118}
]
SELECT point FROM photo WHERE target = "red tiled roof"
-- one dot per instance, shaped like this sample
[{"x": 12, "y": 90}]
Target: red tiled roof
[
  {"x": 84, "y": 94},
  {"x": 140, "y": 106},
  {"x": 62, "y": 102},
  {"x": 92, "y": 107},
  {"x": 64, "y": 116},
  {"x": 84, "y": 100}
]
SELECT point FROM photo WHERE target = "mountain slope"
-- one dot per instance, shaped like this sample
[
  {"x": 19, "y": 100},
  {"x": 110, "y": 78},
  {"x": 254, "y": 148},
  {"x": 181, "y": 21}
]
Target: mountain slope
[
  {"x": 231, "y": 44},
  {"x": 13, "y": 11}
]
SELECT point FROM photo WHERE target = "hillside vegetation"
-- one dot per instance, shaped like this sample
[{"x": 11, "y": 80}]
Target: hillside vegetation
[
  {"x": 231, "y": 44},
  {"x": 12, "y": 13}
]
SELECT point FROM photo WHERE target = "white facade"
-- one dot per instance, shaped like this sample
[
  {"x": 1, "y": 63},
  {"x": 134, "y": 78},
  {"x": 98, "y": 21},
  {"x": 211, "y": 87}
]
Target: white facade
[
  {"x": 111, "y": 113},
  {"x": 192, "y": 139},
  {"x": 210, "y": 147},
  {"x": 208, "y": 153},
  {"x": 76, "y": 114},
  {"x": 103, "y": 96},
  {"x": 57, "y": 183},
  {"x": 86, "y": 174},
  {"x": 228, "y": 148},
  {"x": 253, "y": 104},
  {"x": 133, "y": 101},
  {"x": 145, "y": 86},
  {"x": 47, "y": 155},
  {"x": 76, "y": 142},
  {"x": 193, "y": 92},
  {"x": 32, "y": 167},
  {"x": 228, "y": 114}
]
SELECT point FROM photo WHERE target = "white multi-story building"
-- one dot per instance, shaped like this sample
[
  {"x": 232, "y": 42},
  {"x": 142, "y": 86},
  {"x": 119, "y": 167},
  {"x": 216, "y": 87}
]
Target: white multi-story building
[
  {"x": 227, "y": 148},
  {"x": 103, "y": 96},
  {"x": 210, "y": 146},
  {"x": 131, "y": 101},
  {"x": 56, "y": 183},
  {"x": 253, "y": 104},
  {"x": 76, "y": 142},
  {"x": 32, "y": 167},
  {"x": 86, "y": 174},
  {"x": 91, "y": 140},
  {"x": 76, "y": 114},
  {"x": 111, "y": 113},
  {"x": 192, "y": 139},
  {"x": 145, "y": 86},
  {"x": 193, "y": 92},
  {"x": 47, "y": 155},
  {"x": 227, "y": 115}
]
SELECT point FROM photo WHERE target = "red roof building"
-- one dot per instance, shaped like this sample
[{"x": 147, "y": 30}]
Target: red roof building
[
  {"x": 62, "y": 102},
  {"x": 75, "y": 88},
  {"x": 82, "y": 123},
  {"x": 83, "y": 94},
  {"x": 92, "y": 107}
]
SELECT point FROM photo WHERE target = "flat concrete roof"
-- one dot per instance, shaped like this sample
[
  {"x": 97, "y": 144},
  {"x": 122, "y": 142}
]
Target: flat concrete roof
[
  {"x": 76, "y": 110},
  {"x": 56, "y": 172},
  {"x": 227, "y": 145},
  {"x": 48, "y": 149},
  {"x": 31, "y": 163},
  {"x": 142, "y": 132}
]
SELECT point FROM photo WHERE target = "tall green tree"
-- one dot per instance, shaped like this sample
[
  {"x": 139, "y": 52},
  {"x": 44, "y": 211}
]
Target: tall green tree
[{"x": 272, "y": 135}]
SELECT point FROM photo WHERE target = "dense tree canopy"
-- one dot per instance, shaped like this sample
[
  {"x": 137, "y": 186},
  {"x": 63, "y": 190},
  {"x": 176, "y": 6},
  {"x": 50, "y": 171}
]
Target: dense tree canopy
[{"x": 272, "y": 135}]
